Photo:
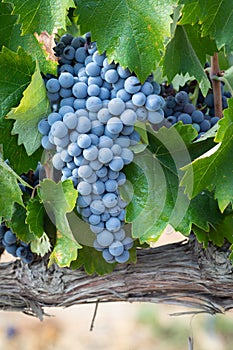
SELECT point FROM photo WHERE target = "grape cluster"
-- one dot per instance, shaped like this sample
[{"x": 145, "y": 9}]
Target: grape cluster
[
  {"x": 178, "y": 108},
  {"x": 8, "y": 239},
  {"x": 14, "y": 246},
  {"x": 96, "y": 104}
]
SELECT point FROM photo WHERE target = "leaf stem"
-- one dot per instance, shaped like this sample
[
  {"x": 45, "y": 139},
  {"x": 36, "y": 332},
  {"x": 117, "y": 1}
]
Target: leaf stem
[{"x": 215, "y": 71}]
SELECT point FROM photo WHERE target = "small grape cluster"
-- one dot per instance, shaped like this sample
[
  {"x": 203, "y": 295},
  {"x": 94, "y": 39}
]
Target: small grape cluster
[
  {"x": 14, "y": 246},
  {"x": 178, "y": 108},
  {"x": 96, "y": 105},
  {"x": 8, "y": 239}
]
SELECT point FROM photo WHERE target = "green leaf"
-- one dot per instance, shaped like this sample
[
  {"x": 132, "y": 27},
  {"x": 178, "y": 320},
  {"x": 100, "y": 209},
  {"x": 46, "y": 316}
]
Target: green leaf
[
  {"x": 7, "y": 23},
  {"x": 43, "y": 15},
  {"x": 32, "y": 108},
  {"x": 19, "y": 226},
  {"x": 65, "y": 251},
  {"x": 153, "y": 188},
  {"x": 215, "y": 17},
  {"x": 16, "y": 155},
  {"x": 41, "y": 246},
  {"x": 92, "y": 261},
  {"x": 132, "y": 32},
  {"x": 10, "y": 36},
  {"x": 213, "y": 172},
  {"x": 186, "y": 53},
  {"x": 35, "y": 216},
  {"x": 60, "y": 199},
  {"x": 10, "y": 192},
  {"x": 16, "y": 70}
]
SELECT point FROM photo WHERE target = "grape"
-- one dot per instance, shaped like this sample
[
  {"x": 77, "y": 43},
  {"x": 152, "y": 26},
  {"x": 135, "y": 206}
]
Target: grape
[
  {"x": 53, "y": 97},
  {"x": 97, "y": 207},
  {"x": 205, "y": 125},
  {"x": 127, "y": 155},
  {"x": 21, "y": 252},
  {"x": 139, "y": 99},
  {"x": 171, "y": 102},
  {"x": 85, "y": 171},
  {"x": 209, "y": 100},
  {"x": 93, "y": 104},
  {"x": 61, "y": 142},
  {"x": 66, "y": 38},
  {"x": 197, "y": 116},
  {"x": 84, "y": 188},
  {"x": 70, "y": 120},
  {"x": 128, "y": 117},
  {"x": 121, "y": 179},
  {"x": 94, "y": 219},
  {"x": 185, "y": 118},
  {"x": 43, "y": 127},
  {"x": 69, "y": 52},
  {"x": 182, "y": 98},
  {"x": 97, "y": 128},
  {"x": 84, "y": 125},
  {"x": 57, "y": 161},
  {"x": 116, "y": 248},
  {"x": 116, "y": 106},
  {"x": 111, "y": 185},
  {"x": 80, "y": 54},
  {"x": 92, "y": 69},
  {"x": 119, "y": 84},
  {"x": 46, "y": 144},
  {"x": 102, "y": 172},
  {"x": 156, "y": 87},
  {"x": 53, "y": 85},
  {"x": 108, "y": 256},
  {"x": 93, "y": 90},
  {"x": 10, "y": 237},
  {"x": 66, "y": 80},
  {"x": 123, "y": 141},
  {"x": 65, "y": 109},
  {"x": 66, "y": 68},
  {"x": 123, "y": 258},
  {"x": 123, "y": 95},
  {"x": 114, "y": 125},
  {"x": 84, "y": 141},
  {"x": 98, "y": 187},
  {"x": 128, "y": 242},
  {"x": 154, "y": 102},
  {"x": 105, "y": 238},
  {"x": 189, "y": 108},
  {"x": 103, "y": 93},
  {"x": 155, "y": 117},
  {"x": 141, "y": 114},
  {"x": 103, "y": 115},
  {"x": 105, "y": 142},
  {"x": 110, "y": 200},
  {"x": 111, "y": 76},
  {"x": 123, "y": 73},
  {"x": 90, "y": 153},
  {"x": 116, "y": 149},
  {"x": 197, "y": 127},
  {"x": 214, "y": 120},
  {"x": 147, "y": 88},
  {"x": 172, "y": 119},
  {"x": 84, "y": 201},
  {"x": 11, "y": 249},
  {"x": 132, "y": 85},
  {"x": 77, "y": 42},
  {"x": 98, "y": 59},
  {"x": 65, "y": 156},
  {"x": 105, "y": 155},
  {"x": 29, "y": 258},
  {"x": 65, "y": 93},
  {"x": 119, "y": 235},
  {"x": 80, "y": 90}
]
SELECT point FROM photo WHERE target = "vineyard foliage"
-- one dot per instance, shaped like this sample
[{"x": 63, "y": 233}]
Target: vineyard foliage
[{"x": 174, "y": 180}]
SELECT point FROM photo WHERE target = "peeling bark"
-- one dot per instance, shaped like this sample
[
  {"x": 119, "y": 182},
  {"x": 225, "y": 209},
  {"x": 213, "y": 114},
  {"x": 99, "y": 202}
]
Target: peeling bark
[{"x": 180, "y": 273}]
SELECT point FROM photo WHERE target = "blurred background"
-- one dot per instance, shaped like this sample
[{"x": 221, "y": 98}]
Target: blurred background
[{"x": 117, "y": 326}]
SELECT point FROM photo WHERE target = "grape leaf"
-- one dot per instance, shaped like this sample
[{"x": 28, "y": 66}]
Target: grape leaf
[
  {"x": 16, "y": 70},
  {"x": 215, "y": 16},
  {"x": 10, "y": 192},
  {"x": 157, "y": 199},
  {"x": 64, "y": 252},
  {"x": 10, "y": 36},
  {"x": 132, "y": 32},
  {"x": 35, "y": 216},
  {"x": 92, "y": 261},
  {"x": 41, "y": 245},
  {"x": 16, "y": 155},
  {"x": 32, "y": 108},
  {"x": 19, "y": 226},
  {"x": 186, "y": 53},
  {"x": 43, "y": 15},
  {"x": 60, "y": 199},
  {"x": 7, "y": 23},
  {"x": 215, "y": 171}
]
